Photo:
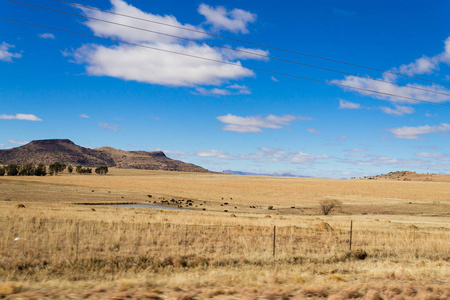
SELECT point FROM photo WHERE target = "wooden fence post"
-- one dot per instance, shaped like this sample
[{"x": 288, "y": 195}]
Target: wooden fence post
[
  {"x": 77, "y": 240},
  {"x": 351, "y": 233},
  {"x": 274, "y": 239}
]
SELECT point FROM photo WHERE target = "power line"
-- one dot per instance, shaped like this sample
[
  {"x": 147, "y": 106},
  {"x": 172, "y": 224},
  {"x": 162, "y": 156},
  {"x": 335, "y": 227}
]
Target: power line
[
  {"x": 224, "y": 62},
  {"x": 253, "y": 43},
  {"x": 233, "y": 49}
]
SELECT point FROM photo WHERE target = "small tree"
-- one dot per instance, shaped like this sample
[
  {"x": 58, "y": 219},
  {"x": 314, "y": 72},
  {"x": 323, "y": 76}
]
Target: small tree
[
  {"x": 78, "y": 169},
  {"x": 56, "y": 168},
  {"x": 69, "y": 169},
  {"x": 2, "y": 171},
  {"x": 101, "y": 170},
  {"x": 41, "y": 170},
  {"x": 328, "y": 205},
  {"x": 12, "y": 170}
]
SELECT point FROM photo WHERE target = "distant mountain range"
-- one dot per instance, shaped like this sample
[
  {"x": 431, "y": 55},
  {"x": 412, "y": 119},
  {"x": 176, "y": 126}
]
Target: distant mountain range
[
  {"x": 67, "y": 152},
  {"x": 264, "y": 174}
]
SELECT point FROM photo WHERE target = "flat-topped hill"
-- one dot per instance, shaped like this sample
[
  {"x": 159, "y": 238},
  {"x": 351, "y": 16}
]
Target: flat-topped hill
[{"x": 67, "y": 152}]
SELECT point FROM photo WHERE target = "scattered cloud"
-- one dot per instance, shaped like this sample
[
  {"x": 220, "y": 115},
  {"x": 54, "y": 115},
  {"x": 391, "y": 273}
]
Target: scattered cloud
[
  {"x": 344, "y": 104},
  {"x": 256, "y": 123},
  {"x": 214, "y": 153},
  {"x": 234, "y": 89},
  {"x": 267, "y": 155},
  {"x": 274, "y": 79},
  {"x": 245, "y": 53},
  {"x": 17, "y": 143},
  {"x": 423, "y": 65},
  {"x": 6, "y": 54},
  {"x": 220, "y": 18},
  {"x": 84, "y": 116},
  {"x": 47, "y": 36},
  {"x": 356, "y": 152},
  {"x": 412, "y": 133},
  {"x": 107, "y": 126},
  {"x": 429, "y": 155},
  {"x": 312, "y": 130},
  {"x": 399, "y": 110},
  {"x": 166, "y": 68},
  {"x": 428, "y": 115},
  {"x": 25, "y": 117},
  {"x": 175, "y": 154}
]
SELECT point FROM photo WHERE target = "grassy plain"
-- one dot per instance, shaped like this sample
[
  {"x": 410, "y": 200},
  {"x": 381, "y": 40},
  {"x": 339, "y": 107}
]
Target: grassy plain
[{"x": 56, "y": 248}]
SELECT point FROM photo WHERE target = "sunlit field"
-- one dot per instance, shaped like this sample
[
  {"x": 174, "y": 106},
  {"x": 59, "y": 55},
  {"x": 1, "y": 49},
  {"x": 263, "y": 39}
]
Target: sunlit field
[{"x": 57, "y": 243}]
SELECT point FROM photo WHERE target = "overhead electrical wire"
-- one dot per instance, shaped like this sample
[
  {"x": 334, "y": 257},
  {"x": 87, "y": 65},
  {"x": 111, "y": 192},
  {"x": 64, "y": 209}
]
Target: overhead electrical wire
[
  {"x": 224, "y": 62},
  {"x": 253, "y": 43},
  {"x": 234, "y": 49}
]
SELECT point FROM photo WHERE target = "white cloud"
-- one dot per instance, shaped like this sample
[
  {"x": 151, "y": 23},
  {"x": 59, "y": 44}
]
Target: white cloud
[
  {"x": 25, "y": 117},
  {"x": 129, "y": 62},
  {"x": 17, "y": 143},
  {"x": 137, "y": 36},
  {"x": 234, "y": 89},
  {"x": 399, "y": 110},
  {"x": 428, "y": 115},
  {"x": 47, "y": 36},
  {"x": 312, "y": 130},
  {"x": 267, "y": 155},
  {"x": 84, "y": 116},
  {"x": 175, "y": 154},
  {"x": 388, "y": 88},
  {"x": 256, "y": 123},
  {"x": 214, "y": 153},
  {"x": 144, "y": 65},
  {"x": 423, "y": 65},
  {"x": 412, "y": 133},
  {"x": 429, "y": 155},
  {"x": 343, "y": 104},
  {"x": 6, "y": 54},
  {"x": 274, "y": 79},
  {"x": 235, "y": 20},
  {"x": 107, "y": 126},
  {"x": 245, "y": 53}
]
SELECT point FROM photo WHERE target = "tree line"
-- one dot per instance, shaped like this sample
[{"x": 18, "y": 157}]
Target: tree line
[{"x": 42, "y": 170}]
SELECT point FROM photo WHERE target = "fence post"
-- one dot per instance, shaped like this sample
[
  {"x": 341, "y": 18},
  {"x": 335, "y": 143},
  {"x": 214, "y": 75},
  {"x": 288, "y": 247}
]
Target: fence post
[
  {"x": 77, "y": 239},
  {"x": 351, "y": 233},
  {"x": 274, "y": 239}
]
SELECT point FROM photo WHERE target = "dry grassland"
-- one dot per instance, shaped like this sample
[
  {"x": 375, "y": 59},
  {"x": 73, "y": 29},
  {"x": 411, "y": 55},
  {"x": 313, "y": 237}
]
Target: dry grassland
[{"x": 54, "y": 248}]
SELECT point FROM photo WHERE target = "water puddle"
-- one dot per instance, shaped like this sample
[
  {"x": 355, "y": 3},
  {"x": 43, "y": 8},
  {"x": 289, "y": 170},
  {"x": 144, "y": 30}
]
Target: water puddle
[{"x": 148, "y": 206}]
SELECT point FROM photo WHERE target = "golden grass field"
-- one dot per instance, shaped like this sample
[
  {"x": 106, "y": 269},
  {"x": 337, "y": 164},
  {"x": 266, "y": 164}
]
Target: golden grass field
[{"x": 56, "y": 248}]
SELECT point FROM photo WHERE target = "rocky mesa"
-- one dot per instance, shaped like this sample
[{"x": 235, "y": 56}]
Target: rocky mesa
[{"x": 67, "y": 152}]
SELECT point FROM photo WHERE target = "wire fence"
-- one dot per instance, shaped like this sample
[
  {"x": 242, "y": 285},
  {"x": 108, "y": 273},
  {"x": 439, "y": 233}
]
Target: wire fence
[{"x": 63, "y": 240}]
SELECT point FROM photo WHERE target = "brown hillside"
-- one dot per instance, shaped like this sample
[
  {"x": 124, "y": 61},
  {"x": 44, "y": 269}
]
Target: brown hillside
[
  {"x": 409, "y": 176},
  {"x": 66, "y": 152},
  {"x": 50, "y": 151},
  {"x": 154, "y": 160}
]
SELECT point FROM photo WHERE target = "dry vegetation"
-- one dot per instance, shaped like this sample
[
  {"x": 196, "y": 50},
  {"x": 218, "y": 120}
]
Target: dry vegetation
[{"x": 52, "y": 248}]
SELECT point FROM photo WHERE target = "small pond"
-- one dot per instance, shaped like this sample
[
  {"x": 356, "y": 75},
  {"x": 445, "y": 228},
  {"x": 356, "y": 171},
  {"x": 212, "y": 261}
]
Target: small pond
[{"x": 148, "y": 206}]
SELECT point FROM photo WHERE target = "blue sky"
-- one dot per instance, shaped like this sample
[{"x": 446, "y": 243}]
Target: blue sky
[{"x": 95, "y": 92}]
